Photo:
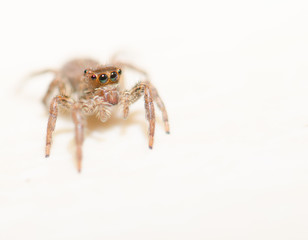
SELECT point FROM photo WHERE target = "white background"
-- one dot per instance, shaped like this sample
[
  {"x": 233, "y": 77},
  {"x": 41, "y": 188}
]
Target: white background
[{"x": 233, "y": 75}]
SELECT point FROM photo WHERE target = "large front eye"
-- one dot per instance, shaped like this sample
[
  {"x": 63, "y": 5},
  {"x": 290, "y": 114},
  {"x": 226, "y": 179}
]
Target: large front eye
[
  {"x": 113, "y": 76},
  {"x": 103, "y": 78}
]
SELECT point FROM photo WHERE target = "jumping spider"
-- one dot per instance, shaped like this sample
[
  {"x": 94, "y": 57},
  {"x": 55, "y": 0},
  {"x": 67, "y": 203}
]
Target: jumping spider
[{"x": 86, "y": 88}]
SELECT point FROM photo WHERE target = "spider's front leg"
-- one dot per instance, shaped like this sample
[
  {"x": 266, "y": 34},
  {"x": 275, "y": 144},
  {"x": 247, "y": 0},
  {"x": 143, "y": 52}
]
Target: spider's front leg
[
  {"x": 159, "y": 102},
  {"x": 53, "y": 114},
  {"x": 129, "y": 97},
  {"x": 78, "y": 119},
  {"x": 126, "y": 98}
]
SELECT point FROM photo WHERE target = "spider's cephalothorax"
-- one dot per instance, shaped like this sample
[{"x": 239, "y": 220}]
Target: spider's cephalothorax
[{"x": 94, "y": 89}]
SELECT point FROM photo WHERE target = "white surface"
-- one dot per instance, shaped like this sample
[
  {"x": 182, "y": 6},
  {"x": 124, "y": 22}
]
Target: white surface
[{"x": 233, "y": 75}]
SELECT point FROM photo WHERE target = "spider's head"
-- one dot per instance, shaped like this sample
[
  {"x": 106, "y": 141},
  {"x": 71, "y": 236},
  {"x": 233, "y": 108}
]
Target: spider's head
[{"x": 102, "y": 76}]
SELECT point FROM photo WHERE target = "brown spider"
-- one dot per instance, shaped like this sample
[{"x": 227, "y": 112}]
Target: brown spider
[{"x": 86, "y": 88}]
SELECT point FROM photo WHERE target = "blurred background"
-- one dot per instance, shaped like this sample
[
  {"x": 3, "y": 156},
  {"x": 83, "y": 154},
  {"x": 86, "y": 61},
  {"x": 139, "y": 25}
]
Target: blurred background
[{"x": 233, "y": 76}]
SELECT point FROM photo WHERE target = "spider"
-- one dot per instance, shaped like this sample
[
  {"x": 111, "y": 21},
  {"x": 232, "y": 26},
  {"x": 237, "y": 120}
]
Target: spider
[{"x": 86, "y": 88}]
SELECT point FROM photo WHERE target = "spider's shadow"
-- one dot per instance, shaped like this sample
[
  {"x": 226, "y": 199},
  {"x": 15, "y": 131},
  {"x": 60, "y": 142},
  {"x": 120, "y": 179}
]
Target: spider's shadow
[{"x": 94, "y": 124}]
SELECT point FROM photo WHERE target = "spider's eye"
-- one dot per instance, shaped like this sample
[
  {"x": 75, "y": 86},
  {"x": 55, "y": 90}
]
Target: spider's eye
[
  {"x": 113, "y": 76},
  {"x": 85, "y": 71},
  {"x": 93, "y": 77},
  {"x": 103, "y": 78},
  {"x": 119, "y": 71}
]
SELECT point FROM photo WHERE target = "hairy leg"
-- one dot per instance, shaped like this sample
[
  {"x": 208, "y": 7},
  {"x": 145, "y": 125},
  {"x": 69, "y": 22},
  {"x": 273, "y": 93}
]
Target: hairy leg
[
  {"x": 159, "y": 102},
  {"x": 150, "y": 113},
  {"x": 131, "y": 66},
  {"x": 114, "y": 60},
  {"x": 53, "y": 114},
  {"x": 131, "y": 96},
  {"x": 57, "y": 82},
  {"x": 96, "y": 105},
  {"x": 78, "y": 119},
  {"x": 50, "y": 89},
  {"x": 125, "y": 102}
]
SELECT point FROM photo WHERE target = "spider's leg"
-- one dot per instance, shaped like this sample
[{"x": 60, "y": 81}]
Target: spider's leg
[
  {"x": 156, "y": 96},
  {"x": 53, "y": 114},
  {"x": 50, "y": 89},
  {"x": 150, "y": 113},
  {"x": 159, "y": 102},
  {"x": 133, "y": 67},
  {"x": 57, "y": 82},
  {"x": 131, "y": 96},
  {"x": 78, "y": 119},
  {"x": 125, "y": 102},
  {"x": 129, "y": 65}
]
